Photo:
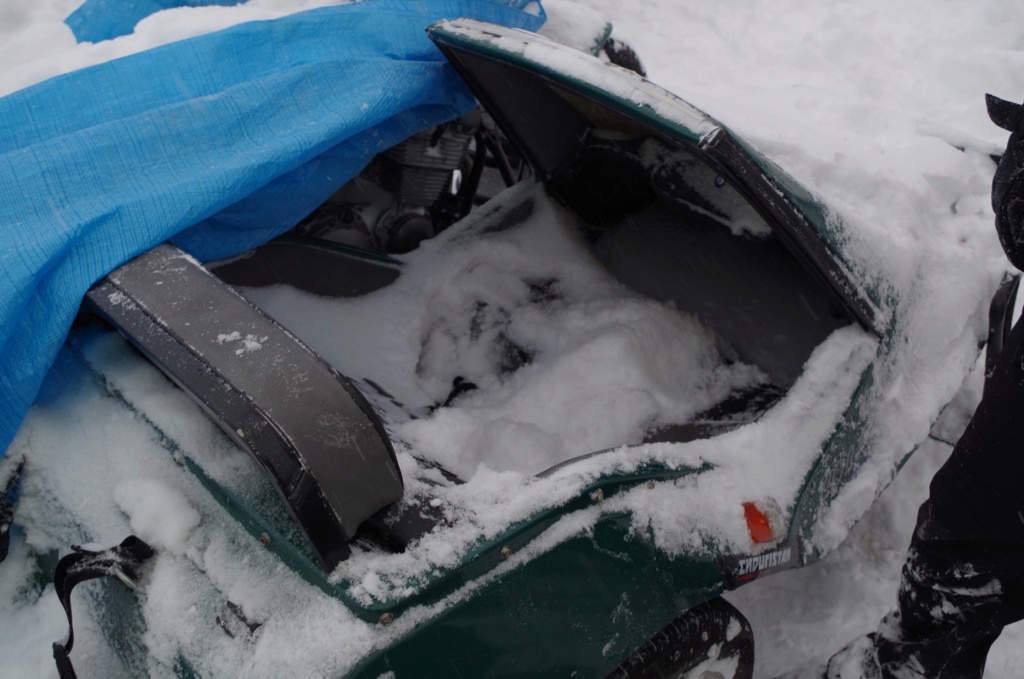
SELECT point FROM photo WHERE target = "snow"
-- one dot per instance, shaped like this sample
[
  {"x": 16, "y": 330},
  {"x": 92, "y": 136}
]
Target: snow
[
  {"x": 876, "y": 107},
  {"x": 247, "y": 344},
  {"x": 157, "y": 513},
  {"x": 475, "y": 304}
]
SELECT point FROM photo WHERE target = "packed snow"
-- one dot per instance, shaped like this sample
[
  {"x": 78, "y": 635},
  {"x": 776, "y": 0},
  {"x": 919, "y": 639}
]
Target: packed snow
[{"x": 875, "y": 107}]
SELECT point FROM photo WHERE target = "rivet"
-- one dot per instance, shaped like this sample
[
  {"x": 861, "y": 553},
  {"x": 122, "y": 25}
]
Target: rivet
[
  {"x": 506, "y": 552},
  {"x": 265, "y": 540},
  {"x": 386, "y": 619},
  {"x": 597, "y": 495}
]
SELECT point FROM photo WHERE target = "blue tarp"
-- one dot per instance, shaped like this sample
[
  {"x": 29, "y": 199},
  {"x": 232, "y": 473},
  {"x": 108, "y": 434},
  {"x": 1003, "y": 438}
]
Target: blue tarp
[
  {"x": 218, "y": 143},
  {"x": 98, "y": 20}
]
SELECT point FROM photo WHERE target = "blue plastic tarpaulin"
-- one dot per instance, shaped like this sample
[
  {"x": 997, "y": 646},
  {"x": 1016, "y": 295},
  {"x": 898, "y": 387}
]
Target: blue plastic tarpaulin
[
  {"x": 218, "y": 142},
  {"x": 99, "y": 20}
]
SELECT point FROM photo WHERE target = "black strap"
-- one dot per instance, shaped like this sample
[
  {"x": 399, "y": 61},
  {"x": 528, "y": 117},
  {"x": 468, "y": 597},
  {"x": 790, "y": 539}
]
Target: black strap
[{"x": 121, "y": 562}]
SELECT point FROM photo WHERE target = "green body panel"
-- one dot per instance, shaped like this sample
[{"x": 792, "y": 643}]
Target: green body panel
[
  {"x": 482, "y": 559},
  {"x": 577, "y": 610}
]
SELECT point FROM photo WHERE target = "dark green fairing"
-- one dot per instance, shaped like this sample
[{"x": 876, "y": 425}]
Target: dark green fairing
[{"x": 576, "y": 610}]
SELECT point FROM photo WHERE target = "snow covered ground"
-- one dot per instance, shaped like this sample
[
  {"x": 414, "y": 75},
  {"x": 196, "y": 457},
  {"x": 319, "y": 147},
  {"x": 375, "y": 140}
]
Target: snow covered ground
[{"x": 863, "y": 102}]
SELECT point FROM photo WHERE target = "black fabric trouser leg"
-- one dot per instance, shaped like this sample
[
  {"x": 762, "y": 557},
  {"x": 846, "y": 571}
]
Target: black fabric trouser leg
[{"x": 964, "y": 576}]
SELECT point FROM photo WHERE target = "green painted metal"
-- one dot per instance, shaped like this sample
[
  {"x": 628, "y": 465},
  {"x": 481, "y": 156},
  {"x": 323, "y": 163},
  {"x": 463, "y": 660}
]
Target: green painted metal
[
  {"x": 575, "y": 611},
  {"x": 117, "y": 608},
  {"x": 484, "y": 557}
]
